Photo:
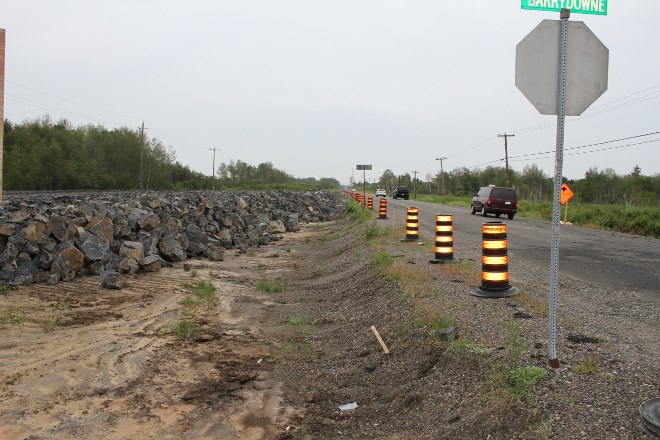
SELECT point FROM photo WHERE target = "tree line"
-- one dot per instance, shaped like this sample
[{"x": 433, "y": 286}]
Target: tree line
[
  {"x": 45, "y": 155},
  {"x": 605, "y": 186}
]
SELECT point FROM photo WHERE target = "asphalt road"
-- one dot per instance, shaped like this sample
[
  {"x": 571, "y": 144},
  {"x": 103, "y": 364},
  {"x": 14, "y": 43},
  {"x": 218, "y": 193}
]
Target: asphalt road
[{"x": 601, "y": 258}]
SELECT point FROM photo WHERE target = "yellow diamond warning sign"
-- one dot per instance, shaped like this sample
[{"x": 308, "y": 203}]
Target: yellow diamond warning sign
[{"x": 566, "y": 193}]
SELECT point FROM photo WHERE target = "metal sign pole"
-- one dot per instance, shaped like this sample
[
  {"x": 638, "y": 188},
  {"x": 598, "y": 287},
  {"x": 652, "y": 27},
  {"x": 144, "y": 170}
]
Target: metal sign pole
[{"x": 559, "y": 161}]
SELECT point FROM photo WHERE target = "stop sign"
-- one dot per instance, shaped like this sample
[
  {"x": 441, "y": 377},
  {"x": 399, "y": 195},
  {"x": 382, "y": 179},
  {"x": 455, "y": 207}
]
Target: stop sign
[{"x": 537, "y": 67}]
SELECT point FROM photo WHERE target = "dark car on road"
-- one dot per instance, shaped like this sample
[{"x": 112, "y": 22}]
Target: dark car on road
[
  {"x": 495, "y": 200},
  {"x": 400, "y": 192}
]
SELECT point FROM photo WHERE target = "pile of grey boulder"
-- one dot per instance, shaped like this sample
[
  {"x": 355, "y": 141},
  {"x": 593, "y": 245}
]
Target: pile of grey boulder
[{"x": 55, "y": 237}]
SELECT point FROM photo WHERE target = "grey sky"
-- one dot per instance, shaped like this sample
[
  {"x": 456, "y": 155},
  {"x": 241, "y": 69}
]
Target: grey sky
[{"x": 316, "y": 87}]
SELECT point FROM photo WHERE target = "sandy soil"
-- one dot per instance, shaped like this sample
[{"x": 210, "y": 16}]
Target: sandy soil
[{"x": 86, "y": 362}]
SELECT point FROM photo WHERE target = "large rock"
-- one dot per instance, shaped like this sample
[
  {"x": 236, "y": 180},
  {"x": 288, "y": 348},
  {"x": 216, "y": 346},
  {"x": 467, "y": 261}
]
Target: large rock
[
  {"x": 70, "y": 253},
  {"x": 132, "y": 249},
  {"x": 61, "y": 227},
  {"x": 102, "y": 227},
  {"x": 62, "y": 268},
  {"x": 152, "y": 263},
  {"x": 36, "y": 232},
  {"x": 112, "y": 280},
  {"x": 171, "y": 250},
  {"x": 129, "y": 266},
  {"x": 215, "y": 251},
  {"x": 92, "y": 246},
  {"x": 276, "y": 227}
]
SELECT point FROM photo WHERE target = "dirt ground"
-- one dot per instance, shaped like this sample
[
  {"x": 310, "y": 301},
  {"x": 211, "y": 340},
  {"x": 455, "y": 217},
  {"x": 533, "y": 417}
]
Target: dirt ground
[{"x": 78, "y": 361}]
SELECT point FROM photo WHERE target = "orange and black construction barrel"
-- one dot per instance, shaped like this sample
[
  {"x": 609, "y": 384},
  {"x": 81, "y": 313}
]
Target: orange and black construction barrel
[
  {"x": 382, "y": 208},
  {"x": 370, "y": 202},
  {"x": 494, "y": 262},
  {"x": 412, "y": 224},
  {"x": 444, "y": 239}
]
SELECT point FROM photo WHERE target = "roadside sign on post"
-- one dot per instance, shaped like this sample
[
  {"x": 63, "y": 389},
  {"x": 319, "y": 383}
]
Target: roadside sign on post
[
  {"x": 537, "y": 58},
  {"x": 566, "y": 194},
  {"x": 364, "y": 180},
  {"x": 561, "y": 67},
  {"x": 597, "y": 7}
]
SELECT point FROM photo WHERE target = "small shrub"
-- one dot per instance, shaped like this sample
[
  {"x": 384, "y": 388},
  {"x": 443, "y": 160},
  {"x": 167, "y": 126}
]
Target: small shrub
[{"x": 10, "y": 317}]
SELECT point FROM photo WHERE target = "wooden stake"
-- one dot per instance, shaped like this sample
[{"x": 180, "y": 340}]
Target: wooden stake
[{"x": 380, "y": 340}]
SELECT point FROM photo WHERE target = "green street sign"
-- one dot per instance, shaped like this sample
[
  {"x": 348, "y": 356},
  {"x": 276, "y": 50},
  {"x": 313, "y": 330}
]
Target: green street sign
[{"x": 597, "y": 7}]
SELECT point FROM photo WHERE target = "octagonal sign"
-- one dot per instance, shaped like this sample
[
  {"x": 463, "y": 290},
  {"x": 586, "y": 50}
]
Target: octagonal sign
[{"x": 537, "y": 67}]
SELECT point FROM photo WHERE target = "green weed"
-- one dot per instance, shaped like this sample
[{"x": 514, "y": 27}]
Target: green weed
[
  {"x": 8, "y": 316},
  {"x": 50, "y": 324},
  {"x": 205, "y": 291},
  {"x": 382, "y": 260},
  {"x": 301, "y": 323},
  {"x": 521, "y": 380},
  {"x": 589, "y": 365},
  {"x": 469, "y": 346},
  {"x": 271, "y": 286},
  {"x": 185, "y": 329}
]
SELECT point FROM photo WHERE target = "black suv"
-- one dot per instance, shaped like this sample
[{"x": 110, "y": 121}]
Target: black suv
[
  {"x": 400, "y": 192},
  {"x": 495, "y": 200}
]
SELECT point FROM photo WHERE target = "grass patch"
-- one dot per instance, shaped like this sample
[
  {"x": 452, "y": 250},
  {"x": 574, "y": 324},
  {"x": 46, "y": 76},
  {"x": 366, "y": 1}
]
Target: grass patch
[
  {"x": 50, "y": 324},
  {"x": 62, "y": 304},
  {"x": 185, "y": 328},
  {"x": 187, "y": 301},
  {"x": 205, "y": 291},
  {"x": 357, "y": 212},
  {"x": 508, "y": 373},
  {"x": 521, "y": 380},
  {"x": 8, "y": 316},
  {"x": 461, "y": 344},
  {"x": 302, "y": 324},
  {"x": 382, "y": 260},
  {"x": 271, "y": 286},
  {"x": 589, "y": 365}
]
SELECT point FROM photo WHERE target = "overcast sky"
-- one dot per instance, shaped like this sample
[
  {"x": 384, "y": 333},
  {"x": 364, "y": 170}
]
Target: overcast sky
[{"x": 318, "y": 86}]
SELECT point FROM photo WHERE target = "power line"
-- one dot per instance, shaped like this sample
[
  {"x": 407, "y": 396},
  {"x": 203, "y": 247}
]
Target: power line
[{"x": 70, "y": 101}]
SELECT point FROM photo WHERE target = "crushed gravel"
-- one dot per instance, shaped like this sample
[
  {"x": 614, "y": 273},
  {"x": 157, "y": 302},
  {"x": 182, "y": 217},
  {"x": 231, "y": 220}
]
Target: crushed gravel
[{"x": 608, "y": 344}]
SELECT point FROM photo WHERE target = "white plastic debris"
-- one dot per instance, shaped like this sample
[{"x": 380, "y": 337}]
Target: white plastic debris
[{"x": 347, "y": 406}]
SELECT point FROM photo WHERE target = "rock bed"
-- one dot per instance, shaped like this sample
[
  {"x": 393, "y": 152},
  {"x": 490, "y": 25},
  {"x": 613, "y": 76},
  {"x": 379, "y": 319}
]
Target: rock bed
[{"x": 50, "y": 237}]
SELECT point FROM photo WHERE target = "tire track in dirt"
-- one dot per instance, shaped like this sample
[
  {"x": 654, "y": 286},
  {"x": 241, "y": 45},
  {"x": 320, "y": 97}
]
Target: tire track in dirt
[{"x": 90, "y": 362}]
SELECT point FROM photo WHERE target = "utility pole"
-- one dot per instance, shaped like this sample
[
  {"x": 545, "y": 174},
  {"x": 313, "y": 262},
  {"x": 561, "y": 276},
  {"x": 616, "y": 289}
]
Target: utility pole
[
  {"x": 506, "y": 156},
  {"x": 213, "y": 177},
  {"x": 415, "y": 184},
  {"x": 442, "y": 174},
  {"x": 2, "y": 106},
  {"x": 141, "y": 183}
]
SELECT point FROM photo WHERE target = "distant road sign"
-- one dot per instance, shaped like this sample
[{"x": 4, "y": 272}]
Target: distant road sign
[
  {"x": 363, "y": 167},
  {"x": 566, "y": 193},
  {"x": 597, "y": 7},
  {"x": 537, "y": 58}
]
